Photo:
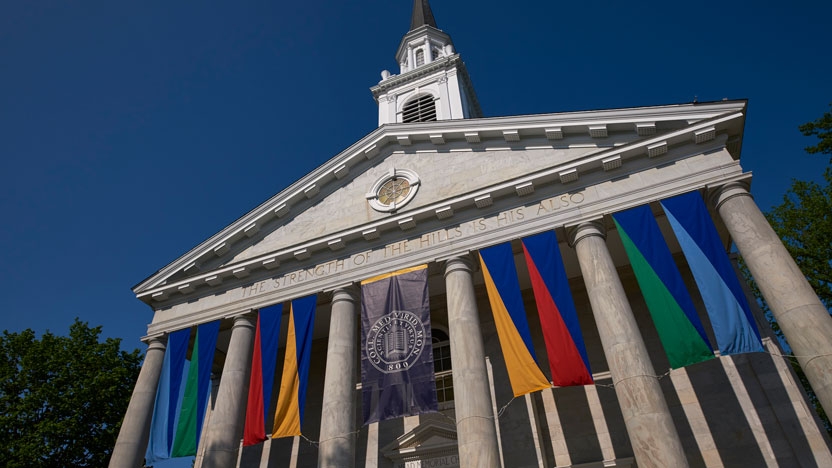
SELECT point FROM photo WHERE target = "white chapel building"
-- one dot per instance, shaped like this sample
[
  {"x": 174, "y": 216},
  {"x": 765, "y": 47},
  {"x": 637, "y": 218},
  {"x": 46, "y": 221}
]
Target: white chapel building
[{"x": 435, "y": 183}]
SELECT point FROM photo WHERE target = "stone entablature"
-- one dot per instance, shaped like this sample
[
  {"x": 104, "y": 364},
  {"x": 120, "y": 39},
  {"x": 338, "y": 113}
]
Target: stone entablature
[{"x": 509, "y": 217}]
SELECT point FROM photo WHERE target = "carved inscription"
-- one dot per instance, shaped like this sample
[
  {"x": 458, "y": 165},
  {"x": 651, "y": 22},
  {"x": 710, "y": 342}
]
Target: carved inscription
[
  {"x": 511, "y": 216},
  {"x": 556, "y": 203},
  {"x": 428, "y": 240},
  {"x": 301, "y": 276},
  {"x": 447, "y": 461}
]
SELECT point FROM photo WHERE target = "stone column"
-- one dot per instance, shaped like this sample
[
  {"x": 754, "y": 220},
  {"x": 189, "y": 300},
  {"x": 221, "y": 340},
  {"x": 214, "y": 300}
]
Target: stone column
[
  {"x": 225, "y": 429},
  {"x": 805, "y": 322},
  {"x": 135, "y": 429},
  {"x": 476, "y": 435},
  {"x": 649, "y": 423},
  {"x": 337, "y": 446}
]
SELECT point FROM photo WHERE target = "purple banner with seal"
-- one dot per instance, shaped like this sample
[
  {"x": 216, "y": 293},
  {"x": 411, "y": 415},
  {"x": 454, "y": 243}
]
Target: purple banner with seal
[{"x": 396, "y": 350}]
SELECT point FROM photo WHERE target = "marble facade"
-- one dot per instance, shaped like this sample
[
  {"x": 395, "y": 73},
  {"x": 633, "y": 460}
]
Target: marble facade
[{"x": 484, "y": 181}]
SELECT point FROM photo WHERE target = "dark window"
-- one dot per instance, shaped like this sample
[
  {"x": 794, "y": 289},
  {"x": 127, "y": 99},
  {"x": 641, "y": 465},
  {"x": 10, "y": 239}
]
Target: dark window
[
  {"x": 442, "y": 366},
  {"x": 421, "y": 109},
  {"x": 420, "y": 57}
]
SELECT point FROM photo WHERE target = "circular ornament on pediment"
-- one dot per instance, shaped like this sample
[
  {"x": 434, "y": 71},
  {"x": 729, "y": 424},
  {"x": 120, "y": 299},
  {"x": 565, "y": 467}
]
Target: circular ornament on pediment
[{"x": 394, "y": 190}]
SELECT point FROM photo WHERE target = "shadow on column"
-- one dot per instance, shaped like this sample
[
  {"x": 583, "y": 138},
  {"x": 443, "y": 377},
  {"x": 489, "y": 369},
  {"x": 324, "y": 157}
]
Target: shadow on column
[
  {"x": 311, "y": 426},
  {"x": 388, "y": 431},
  {"x": 516, "y": 436},
  {"x": 768, "y": 393},
  {"x": 543, "y": 425},
  {"x": 341, "y": 453},
  {"x": 251, "y": 455},
  {"x": 361, "y": 437},
  {"x": 726, "y": 420},
  {"x": 578, "y": 426},
  {"x": 280, "y": 455},
  {"x": 683, "y": 426},
  {"x": 615, "y": 420}
]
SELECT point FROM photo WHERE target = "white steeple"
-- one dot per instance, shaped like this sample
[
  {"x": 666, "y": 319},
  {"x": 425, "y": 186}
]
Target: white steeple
[{"x": 433, "y": 83}]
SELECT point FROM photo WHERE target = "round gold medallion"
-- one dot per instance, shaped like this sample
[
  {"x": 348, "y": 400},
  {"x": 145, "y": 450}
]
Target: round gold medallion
[{"x": 394, "y": 191}]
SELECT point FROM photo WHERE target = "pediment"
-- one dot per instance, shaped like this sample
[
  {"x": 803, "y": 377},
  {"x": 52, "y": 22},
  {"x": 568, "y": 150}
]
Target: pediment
[
  {"x": 429, "y": 440},
  {"x": 442, "y": 176},
  {"x": 461, "y": 164}
]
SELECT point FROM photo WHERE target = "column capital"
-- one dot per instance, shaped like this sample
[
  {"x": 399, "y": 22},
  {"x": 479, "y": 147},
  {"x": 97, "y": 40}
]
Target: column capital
[
  {"x": 459, "y": 262},
  {"x": 720, "y": 194},
  {"x": 243, "y": 320},
  {"x": 345, "y": 292},
  {"x": 158, "y": 342},
  {"x": 595, "y": 227}
]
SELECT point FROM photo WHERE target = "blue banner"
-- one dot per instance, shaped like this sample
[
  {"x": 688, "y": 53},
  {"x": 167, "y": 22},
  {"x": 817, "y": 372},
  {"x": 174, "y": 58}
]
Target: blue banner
[
  {"x": 169, "y": 395},
  {"x": 396, "y": 349},
  {"x": 734, "y": 326}
]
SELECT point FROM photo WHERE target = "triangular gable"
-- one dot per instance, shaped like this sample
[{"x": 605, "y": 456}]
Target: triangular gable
[
  {"x": 462, "y": 158},
  {"x": 442, "y": 176}
]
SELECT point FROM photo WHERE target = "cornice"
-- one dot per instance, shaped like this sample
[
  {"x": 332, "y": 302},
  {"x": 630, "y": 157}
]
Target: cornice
[
  {"x": 520, "y": 130},
  {"x": 394, "y": 81}
]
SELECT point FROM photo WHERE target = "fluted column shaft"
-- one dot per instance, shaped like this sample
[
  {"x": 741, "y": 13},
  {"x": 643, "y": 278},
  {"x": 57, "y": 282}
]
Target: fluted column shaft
[
  {"x": 135, "y": 429},
  {"x": 225, "y": 428},
  {"x": 804, "y": 320},
  {"x": 337, "y": 445},
  {"x": 649, "y": 424},
  {"x": 476, "y": 434}
]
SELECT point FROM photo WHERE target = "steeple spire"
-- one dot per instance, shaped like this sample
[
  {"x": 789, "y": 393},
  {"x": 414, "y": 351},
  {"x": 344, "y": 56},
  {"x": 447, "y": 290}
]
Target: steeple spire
[
  {"x": 422, "y": 15},
  {"x": 433, "y": 83}
]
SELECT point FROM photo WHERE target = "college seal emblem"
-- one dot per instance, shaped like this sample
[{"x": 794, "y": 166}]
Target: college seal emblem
[{"x": 395, "y": 341}]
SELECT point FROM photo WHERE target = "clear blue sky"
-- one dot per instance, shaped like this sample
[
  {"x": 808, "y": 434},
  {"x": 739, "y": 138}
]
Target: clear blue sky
[{"x": 132, "y": 131}]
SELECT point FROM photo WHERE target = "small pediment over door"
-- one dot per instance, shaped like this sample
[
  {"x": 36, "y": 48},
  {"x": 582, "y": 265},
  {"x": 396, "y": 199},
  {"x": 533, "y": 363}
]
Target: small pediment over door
[{"x": 430, "y": 444}]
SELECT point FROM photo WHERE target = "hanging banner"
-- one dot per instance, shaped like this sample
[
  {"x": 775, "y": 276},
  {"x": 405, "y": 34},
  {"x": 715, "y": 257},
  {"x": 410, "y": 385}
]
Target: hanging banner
[
  {"x": 664, "y": 291},
  {"x": 179, "y": 412},
  {"x": 500, "y": 275},
  {"x": 168, "y": 397},
  {"x": 263, "y": 362},
  {"x": 565, "y": 347},
  {"x": 396, "y": 349},
  {"x": 197, "y": 391},
  {"x": 734, "y": 326},
  {"x": 291, "y": 400}
]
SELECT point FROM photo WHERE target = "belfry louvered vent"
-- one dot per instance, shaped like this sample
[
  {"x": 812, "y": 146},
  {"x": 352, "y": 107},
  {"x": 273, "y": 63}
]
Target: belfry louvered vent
[{"x": 421, "y": 109}]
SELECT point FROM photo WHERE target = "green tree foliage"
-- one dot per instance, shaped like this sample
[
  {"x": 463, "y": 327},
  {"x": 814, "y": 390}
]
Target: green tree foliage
[
  {"x": 821, "y": 128},
  {"x": 62, "y": 398},
  {"x": 804, "y": 223},
  {"x": 804, "y": 219}
]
